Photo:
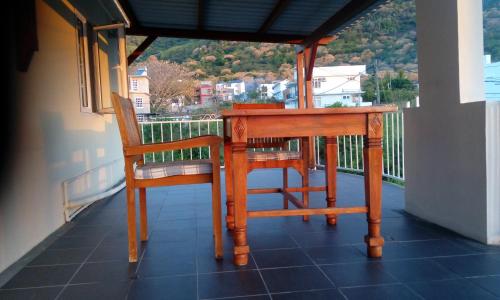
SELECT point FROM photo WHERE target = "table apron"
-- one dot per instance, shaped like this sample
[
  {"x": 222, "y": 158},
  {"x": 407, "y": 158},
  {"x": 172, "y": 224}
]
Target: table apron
[{"x": 306, "y": 125}]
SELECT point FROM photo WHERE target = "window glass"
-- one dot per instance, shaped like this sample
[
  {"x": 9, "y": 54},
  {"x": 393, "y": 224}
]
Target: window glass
[{"x": 108, "y": 67}]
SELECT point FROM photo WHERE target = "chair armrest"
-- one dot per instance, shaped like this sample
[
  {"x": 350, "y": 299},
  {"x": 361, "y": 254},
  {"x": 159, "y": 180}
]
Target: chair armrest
[{"x": 200, "y": 141}]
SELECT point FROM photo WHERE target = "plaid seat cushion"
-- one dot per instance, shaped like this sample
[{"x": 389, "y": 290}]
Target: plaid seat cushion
[
  {"x": 186, "y": 167},
  {"x": 273, "y": 155}
]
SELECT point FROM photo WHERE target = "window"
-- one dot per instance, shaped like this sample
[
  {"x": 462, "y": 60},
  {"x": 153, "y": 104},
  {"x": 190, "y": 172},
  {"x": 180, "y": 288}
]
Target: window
[
  {"x": 139, "y": 103},
  {"x": 346, "y": 97},
  {"x": 134, "y": 85},
  {"x": 83, "y": 59},
  {"x": 317, "y": 82},
  {"x": 110, "y": 65},
  {"x": 140, "y": 118}
]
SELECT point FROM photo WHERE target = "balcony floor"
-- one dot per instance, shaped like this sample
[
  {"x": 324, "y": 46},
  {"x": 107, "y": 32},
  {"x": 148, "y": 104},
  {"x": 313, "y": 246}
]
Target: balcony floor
[{"x": 290, "y": 259}]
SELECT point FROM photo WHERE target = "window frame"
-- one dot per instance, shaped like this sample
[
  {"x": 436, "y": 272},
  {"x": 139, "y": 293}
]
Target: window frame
[
  {"x": 136, "y": 101},
  {"x": 84, "y": 66},
  {"x": 123, "y": 75}
]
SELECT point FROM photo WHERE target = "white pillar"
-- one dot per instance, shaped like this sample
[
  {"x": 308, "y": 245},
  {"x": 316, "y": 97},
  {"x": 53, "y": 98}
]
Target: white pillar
[{"x": 447, "y": 180}]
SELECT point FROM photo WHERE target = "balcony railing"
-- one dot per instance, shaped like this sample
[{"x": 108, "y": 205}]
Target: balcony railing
[{"x": 350, "y": 148}]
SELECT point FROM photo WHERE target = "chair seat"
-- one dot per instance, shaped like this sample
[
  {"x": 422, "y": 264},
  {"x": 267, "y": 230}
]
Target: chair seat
[
  {"x": 186, "y": 167},
  {"x": 273, "y": 155}
]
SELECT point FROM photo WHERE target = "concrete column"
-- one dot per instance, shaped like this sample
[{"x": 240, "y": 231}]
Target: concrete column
[{"x": 446, "y": 141}]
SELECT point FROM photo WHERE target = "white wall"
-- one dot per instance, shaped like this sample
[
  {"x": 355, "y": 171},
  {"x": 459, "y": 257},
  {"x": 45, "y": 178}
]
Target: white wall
[
  {"x": 54, "y": 140},
  {"x": 447, "y": 178}
]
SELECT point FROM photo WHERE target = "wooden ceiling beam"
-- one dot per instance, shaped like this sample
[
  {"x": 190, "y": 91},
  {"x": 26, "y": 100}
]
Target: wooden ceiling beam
[
  {"x": 343, "y": 16},
  {"x": 140, "y": 49},
  {"x": 216, "y": 35},
  {"x": 273, "y": 16}
]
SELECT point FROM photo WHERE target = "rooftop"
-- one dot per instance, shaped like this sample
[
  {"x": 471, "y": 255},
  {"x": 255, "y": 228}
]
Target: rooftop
[{"x": 290, "y": 259}]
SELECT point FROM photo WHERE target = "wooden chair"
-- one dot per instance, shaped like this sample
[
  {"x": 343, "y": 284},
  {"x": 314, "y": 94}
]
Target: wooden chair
[
  {"x": 270, "y": 159},
  {"x": 140, "y": 175}
]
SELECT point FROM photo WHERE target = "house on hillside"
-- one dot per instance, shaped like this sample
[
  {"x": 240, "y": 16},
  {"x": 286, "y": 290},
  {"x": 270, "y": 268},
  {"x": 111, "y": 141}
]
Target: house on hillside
[
  {"x": 338, "y": 84},
  {"x": 279, "y": 86},
  {"x": 265, "y": 90},
  {"x": 139, "y": 93},
  {"x": 491, "y": 79},
  {"x": 204, "y": 93},
  {"x": 230, "y": 91}
]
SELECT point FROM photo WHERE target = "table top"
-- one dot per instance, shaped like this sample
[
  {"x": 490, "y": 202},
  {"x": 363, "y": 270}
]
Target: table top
[{"x": 310, "y": 111}]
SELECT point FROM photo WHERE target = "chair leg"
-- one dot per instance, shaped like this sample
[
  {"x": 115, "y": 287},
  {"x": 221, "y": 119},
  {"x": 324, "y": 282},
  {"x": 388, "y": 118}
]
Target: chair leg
[
  {"x": 285, "y": 185},
  {"x": 305, "y": 174},
  {"x": 305, "y": 195},
  {"x": 132, "y": 229},
  {"x": 217, "y": 218},
  {"x": 144, "y": 214}
]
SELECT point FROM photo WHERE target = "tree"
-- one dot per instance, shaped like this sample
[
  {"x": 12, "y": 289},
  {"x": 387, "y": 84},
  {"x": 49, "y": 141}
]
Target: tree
[{"x": 169, "y": 83}]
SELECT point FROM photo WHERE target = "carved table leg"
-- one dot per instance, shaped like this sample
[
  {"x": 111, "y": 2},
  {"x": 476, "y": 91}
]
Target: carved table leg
[
  {"x": 373, "y": 192},
  {"x": 241, "y": 248},
  {"x": 229, "y": 185},
  {"x": 331, "y": 176}
]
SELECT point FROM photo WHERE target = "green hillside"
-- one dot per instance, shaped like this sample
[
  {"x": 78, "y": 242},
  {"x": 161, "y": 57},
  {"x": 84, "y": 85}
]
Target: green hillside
[{"x": 387, "y": 36}]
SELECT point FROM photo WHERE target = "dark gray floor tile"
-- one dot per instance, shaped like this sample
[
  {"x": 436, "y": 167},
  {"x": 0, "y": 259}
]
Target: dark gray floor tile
[
  {"x": 230, "y": 284},
  {"x": 208, "y": 264},
  {"x": 381, "y": 292},
  {"x": 295, "y": 279},
  {"x": 274, "y": 240},
  {"x": 160, "y": 250},
  {"x": 419, "y": 249},
  {"x": 61, "y": 256},
  {"x": 451, "y": 289},
  {"x": 472, "y": 265},
  {"x": 42, "y": 276},
  {"x": 490, "y": 283},
  {"x": 104, "y": 272},
  {"x": 365, "y": 273},
  {"x": 105, "y": 291},
  {"x": 75, "y": 242},
  {"x": 168, "y": 265},
  {"x": 110, "y": 253},
  {"x": 259, "y": 297},
  {"x": 332, "y": 294},
  {"x": 331, "y": 255},
  {"x": 281, "y": 258},
  {"x": 417, "y": 270},
  {"x": 47, "y": 293},
  {"x": 165, "y": 288}
]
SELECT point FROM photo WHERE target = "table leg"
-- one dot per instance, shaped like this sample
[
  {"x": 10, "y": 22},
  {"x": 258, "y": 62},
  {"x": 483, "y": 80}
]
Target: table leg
[
  {"x": 331, "y": 176},
  {"x": 373, "y": 193},
  {"x": 305, "y": 174},
  {"x": 229, "y": 185},
  {"x": 241, "y": 248}
]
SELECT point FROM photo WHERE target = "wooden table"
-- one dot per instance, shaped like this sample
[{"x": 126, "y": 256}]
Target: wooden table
[{"x": 241, "y": 125}]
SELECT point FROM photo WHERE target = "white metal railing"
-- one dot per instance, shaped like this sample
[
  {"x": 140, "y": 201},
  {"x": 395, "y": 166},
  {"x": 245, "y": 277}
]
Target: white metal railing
[{"x": 350, "y": 148}]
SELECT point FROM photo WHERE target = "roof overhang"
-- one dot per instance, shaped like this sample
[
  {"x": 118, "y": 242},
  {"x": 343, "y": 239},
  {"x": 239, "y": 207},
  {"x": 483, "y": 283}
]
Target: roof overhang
[{"x": 280, "y": 21}]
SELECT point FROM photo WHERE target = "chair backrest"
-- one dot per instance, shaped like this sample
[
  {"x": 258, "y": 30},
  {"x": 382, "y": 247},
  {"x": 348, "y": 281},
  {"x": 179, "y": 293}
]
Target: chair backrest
[
  {"x": 127, "y": 121},
  {"x": 263, "y": 142}
]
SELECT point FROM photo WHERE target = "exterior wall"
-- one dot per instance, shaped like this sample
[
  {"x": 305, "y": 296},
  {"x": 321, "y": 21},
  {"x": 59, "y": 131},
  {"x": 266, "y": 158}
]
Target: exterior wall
[
  {"x": 451, "y": 144},
  {"x": 141, "y": 92},
  {"x": 54, "y": 140}
]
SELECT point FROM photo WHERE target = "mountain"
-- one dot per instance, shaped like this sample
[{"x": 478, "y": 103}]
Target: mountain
[{"x": 387, "y": 37}]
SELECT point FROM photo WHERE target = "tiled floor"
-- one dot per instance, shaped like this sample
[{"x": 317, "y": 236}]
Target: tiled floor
[{"x": 290, "y": 259}]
